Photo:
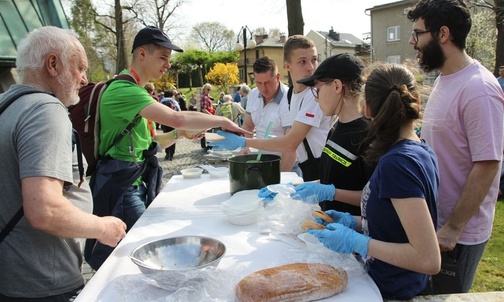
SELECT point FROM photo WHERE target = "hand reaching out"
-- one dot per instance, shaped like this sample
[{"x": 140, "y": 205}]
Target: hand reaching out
[{"x": 114, "y": 231}]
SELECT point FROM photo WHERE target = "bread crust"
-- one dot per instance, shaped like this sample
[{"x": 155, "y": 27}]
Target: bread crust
[
  {"x": 322, "y": 215},
  {"x": 292, "y": 282},
  {"x": 310, "y": 224}
]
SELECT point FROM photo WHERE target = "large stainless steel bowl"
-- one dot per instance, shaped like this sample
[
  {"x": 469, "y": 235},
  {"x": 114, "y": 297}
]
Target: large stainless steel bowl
[{"x": 178, "y": 255}]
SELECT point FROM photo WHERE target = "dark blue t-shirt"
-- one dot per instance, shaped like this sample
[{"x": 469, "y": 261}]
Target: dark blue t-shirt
[{"x": 408, "y": 169}]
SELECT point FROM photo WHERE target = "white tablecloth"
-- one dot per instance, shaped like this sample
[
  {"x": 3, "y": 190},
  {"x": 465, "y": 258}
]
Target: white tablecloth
[{"x": 192, "y": 207}]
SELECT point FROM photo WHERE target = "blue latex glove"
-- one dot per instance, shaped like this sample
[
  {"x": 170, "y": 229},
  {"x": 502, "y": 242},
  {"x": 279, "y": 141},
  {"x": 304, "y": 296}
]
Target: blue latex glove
[
  {"x": 231, "y": 141},
  {"x": 342, "y": 239},
  {"x": 314, "y": 192},
  {"x": 339, "y": 217},
  {"x": 266, "y": 194}
]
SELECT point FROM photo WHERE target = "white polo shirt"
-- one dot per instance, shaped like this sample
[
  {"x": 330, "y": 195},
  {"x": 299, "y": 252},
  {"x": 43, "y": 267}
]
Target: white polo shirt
[
  {"x": 306, "y": 110},
  {"x": 277, "y": 111}
]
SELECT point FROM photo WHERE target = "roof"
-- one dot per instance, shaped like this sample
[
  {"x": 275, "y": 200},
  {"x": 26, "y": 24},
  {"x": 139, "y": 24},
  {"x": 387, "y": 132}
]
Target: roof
[
  {"x": 345, "y": 39},
  {"x": 271, "y": 42},
  {"x": 391, "y": 4},
  {"x": 19, "y": 17}
]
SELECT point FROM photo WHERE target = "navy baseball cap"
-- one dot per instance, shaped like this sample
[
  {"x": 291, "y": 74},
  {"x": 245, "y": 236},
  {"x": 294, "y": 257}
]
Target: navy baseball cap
[
  {"x": 152, "y": 34},
  {"x": 343, "y": 66}
]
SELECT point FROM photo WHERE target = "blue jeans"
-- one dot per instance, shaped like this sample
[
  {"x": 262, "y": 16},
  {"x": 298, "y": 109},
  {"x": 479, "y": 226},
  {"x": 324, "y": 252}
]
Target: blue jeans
[{"x": 133, "y": 204}]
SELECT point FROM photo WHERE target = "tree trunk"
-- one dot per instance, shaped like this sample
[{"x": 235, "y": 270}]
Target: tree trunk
[
  {"x": 200, "y": 72},
  {"x": 499, "y": 23},
  {"x": 120, "y": 42},
  {"x": 295, "y": 22},
  {"x": 294, "y": 17}
]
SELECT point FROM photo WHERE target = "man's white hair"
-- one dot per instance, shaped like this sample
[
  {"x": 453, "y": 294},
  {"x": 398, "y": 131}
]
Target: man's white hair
[
  {"x": 33, "y": 49},
  {"x": 226, "y": 98}
]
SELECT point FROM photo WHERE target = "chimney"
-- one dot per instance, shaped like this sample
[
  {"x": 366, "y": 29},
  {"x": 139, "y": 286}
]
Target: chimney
[
  {"x": 334, "y": 35},
  {"x": 282, "y": 38},
  {"x": 259, "y": 39}
]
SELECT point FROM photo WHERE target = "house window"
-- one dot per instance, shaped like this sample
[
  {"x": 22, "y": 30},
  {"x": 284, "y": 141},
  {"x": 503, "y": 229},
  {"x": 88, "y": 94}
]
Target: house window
[
  {"x": 393, "y": 33},
  {"x": 394, "y": 59}
]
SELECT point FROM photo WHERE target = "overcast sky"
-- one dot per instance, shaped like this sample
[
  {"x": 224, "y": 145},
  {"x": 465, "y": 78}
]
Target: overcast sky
[{"x": 347, "y": 16}]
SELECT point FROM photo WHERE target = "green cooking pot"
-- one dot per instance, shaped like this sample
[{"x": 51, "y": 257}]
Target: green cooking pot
[{"x": 245, "y": 173}]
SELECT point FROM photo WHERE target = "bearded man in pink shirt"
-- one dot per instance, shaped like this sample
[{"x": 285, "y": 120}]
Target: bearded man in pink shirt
[{"x": 463, "y": 123}]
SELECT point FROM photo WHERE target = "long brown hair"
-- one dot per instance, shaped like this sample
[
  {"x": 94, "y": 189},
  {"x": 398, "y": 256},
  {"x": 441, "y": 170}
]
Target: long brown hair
[{"x": 393, "y": 100}]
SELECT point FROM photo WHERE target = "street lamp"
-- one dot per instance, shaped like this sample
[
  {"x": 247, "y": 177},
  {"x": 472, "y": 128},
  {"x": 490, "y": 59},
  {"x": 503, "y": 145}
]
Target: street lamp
[{"x": 239, "y": 47}]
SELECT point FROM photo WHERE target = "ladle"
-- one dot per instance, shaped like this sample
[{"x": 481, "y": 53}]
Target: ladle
[{"x": 259, "y": 154}]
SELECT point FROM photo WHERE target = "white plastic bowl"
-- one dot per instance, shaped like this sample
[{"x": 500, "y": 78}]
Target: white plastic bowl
[
  {"x": 218, "y": 172},
  {"x": 243, "y": 201},
  {"x": 241, "y": 211},
  {"x": 191, "y": 172},
  {"x": 245, "y": 219}
]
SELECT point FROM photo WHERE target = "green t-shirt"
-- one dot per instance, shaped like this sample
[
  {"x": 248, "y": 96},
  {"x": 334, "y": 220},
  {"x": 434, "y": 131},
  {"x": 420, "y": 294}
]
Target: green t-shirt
[{"x": 120, "y": 103}]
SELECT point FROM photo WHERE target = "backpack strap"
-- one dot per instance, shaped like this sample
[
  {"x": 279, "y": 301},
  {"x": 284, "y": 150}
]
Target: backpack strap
[
  {"x": 289, "y": 95},
  {"x": 24, "y": 90},
  {"x": 305, "y": 141},
  {"x": 10, "y": 225},
  {"x": 123, "y": 133},
  {"x": 97, "y": 127},
  {"x": 80, "y": 163}
]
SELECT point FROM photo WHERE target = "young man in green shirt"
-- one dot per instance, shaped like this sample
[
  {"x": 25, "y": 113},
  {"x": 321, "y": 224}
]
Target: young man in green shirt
[{"x": 120, "y": 184}]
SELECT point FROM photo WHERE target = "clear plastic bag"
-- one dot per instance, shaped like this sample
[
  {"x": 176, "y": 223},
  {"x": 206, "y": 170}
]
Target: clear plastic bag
[
  {"x": 285, "y": 215},
  {"x": 206, "y": 285},
  {"x": 283, "y": 218}
]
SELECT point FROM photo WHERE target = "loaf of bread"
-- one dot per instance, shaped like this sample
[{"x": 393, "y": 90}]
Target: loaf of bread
[
  {"x": 292, "y": 282},
  {"x": 322, "y": 215}
]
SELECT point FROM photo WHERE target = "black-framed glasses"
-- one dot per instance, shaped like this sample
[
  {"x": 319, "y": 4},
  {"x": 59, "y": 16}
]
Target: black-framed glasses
[
  {"x": 315, "y": 89},
  {"x": 415, "y": 33}
]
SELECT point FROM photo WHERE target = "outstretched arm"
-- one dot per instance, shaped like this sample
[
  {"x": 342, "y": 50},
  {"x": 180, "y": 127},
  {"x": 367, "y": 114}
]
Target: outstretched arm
[{"x": 46, "y": 209}]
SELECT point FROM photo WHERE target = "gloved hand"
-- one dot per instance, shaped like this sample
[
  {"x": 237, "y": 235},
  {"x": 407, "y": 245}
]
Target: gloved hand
[
  {"x": 231, "y": 141},
  {"x": 339, "y": 217},
  {"x": 266, "y": 194},
  {"x": 342, "y": 239},
  {"x": 314, "y": 192}
]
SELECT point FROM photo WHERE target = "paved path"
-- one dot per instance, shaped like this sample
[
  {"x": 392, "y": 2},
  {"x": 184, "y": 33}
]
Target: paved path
[{"x": 188, "y": 154}]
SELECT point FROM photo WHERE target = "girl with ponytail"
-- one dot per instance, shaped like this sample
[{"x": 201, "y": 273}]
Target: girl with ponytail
[{"x": 396, "y": 233}]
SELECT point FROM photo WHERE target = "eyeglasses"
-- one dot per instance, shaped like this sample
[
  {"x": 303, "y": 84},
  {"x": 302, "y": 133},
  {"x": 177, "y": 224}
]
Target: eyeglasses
[
  {"x": 414, "y": 34},
  {"x": 315, "y": 89}
]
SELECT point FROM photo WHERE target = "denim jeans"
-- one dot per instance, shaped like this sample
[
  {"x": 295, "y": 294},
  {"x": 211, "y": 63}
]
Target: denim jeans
[{"x": 133, "y": 204}]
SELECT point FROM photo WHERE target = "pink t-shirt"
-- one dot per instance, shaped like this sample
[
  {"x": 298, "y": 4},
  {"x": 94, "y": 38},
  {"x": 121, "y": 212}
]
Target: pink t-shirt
[{"x": 463, "y": 123}]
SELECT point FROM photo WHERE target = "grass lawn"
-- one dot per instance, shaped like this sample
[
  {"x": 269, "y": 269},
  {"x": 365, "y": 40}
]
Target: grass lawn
[{"x": 490, "y": 274}]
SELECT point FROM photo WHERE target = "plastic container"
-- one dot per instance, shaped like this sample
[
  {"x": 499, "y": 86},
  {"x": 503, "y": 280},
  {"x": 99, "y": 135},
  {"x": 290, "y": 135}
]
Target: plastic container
[
  {"x": 243, "y": 208},
  {"x": 191, "y": 173},
  {"x": 245, "y": 219}
]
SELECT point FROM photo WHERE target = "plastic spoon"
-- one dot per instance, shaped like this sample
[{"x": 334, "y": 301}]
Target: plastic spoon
[{"x": 259, "y": 154}]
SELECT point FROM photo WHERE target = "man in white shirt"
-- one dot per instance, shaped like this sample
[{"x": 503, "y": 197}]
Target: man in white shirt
[
  {"x": 268, "y": 103},
  {"x": 309, "y": 121}
]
